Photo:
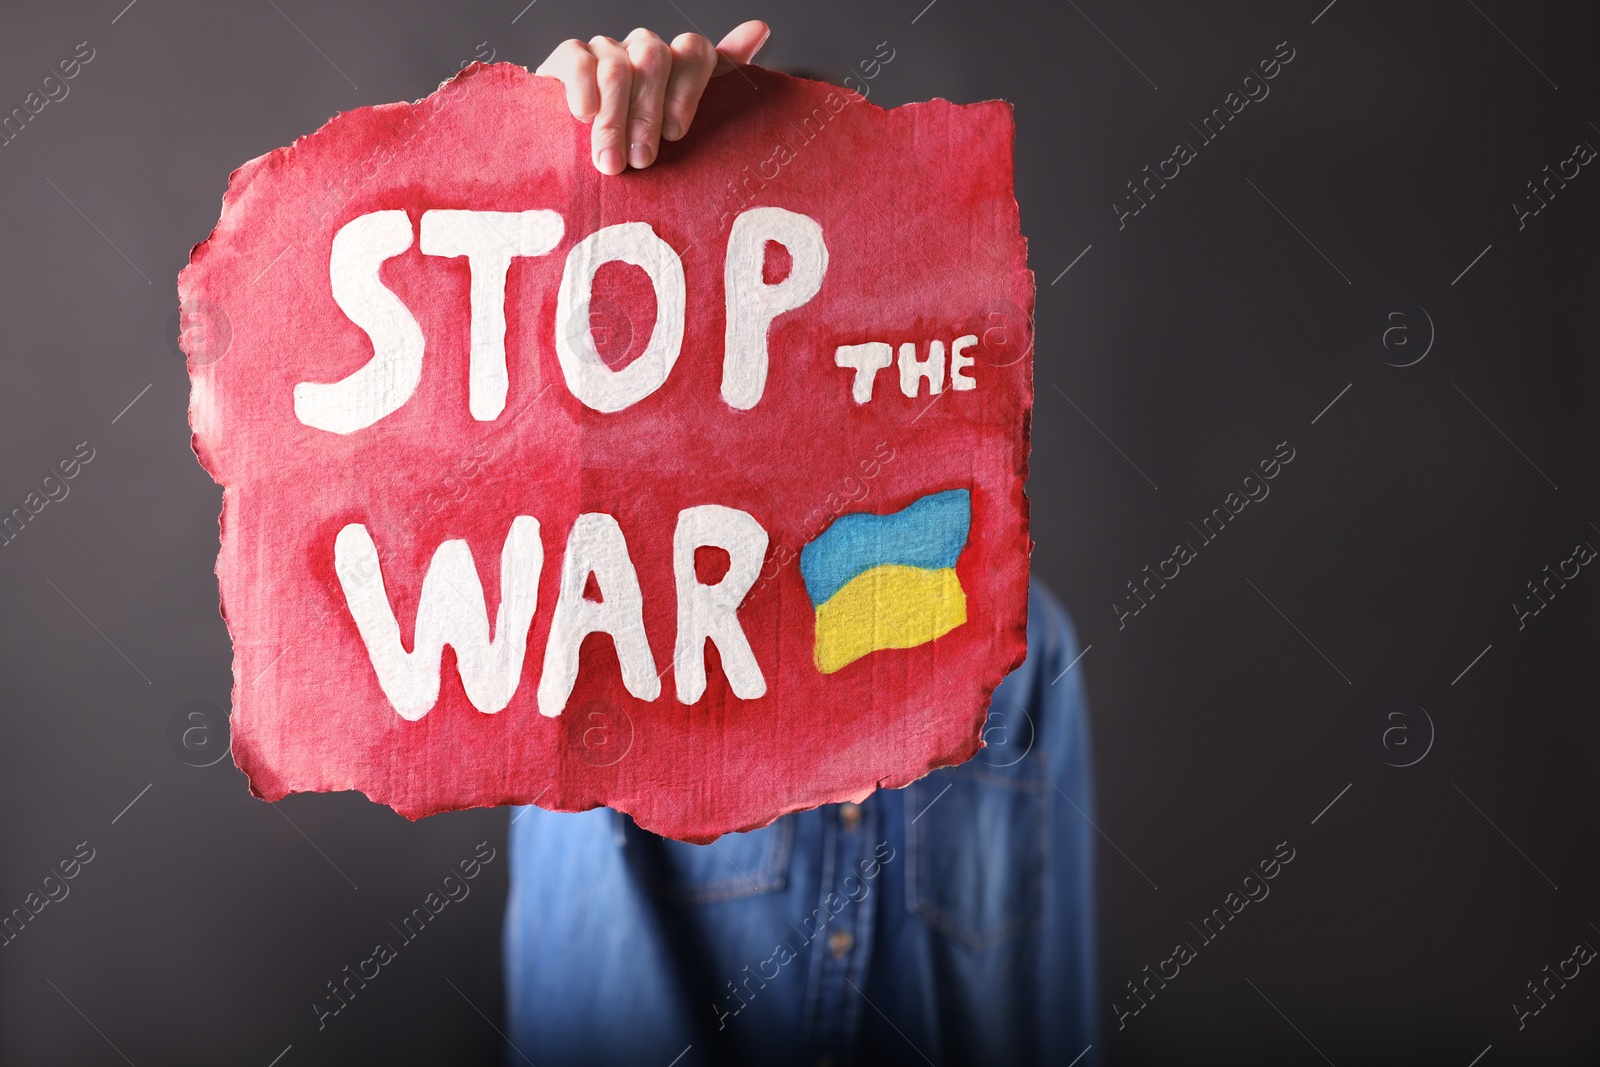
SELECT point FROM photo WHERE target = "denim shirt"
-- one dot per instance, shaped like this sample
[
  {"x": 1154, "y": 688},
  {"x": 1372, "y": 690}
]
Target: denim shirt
[{"x": 947, "y": 922}]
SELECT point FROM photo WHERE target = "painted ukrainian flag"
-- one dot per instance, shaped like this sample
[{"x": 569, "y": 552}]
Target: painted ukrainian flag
[{"x": 887, "y": 581}]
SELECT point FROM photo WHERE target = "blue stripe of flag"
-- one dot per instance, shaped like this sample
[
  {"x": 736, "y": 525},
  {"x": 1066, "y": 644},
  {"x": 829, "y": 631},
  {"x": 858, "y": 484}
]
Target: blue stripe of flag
[{"x": 929, "y": 533}]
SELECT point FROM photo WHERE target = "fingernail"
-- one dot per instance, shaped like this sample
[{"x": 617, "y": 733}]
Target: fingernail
[
  {"x": 639, "y": 155},
  {"x": 610, "y": 161},
  {"x": 671, "y": 130}
]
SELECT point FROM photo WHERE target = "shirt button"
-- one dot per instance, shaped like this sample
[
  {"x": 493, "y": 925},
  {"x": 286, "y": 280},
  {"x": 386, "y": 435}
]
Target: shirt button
[
  {"x": 840, "y": 942},
  {"x": 850, "y": 816}
]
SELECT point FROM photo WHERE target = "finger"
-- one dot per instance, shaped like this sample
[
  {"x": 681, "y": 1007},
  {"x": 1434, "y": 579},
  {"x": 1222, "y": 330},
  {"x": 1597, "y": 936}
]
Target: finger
[
  {"x": 741, "y": 44},
  {"x": 574, "y": 64},
  {"x": 652, "y": 62},
  {"x": 693, "y": 59},
  {"x": 614, "y": 76}
]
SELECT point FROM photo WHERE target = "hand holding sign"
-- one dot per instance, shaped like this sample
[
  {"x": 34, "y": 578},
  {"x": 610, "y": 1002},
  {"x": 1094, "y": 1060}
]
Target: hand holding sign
[
  {"x": 643, "y": 89},
  {"x": 658, "y": 379}
]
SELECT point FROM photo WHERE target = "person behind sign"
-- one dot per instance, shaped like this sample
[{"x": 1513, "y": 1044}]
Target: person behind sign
[{"x": 947, "y": 922}]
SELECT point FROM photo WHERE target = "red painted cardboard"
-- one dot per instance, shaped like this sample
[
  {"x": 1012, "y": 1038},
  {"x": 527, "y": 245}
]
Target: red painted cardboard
[{"x": 919, "y": 227}]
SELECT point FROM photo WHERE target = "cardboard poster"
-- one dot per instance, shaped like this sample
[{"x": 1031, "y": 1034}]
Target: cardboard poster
[{"x": 695, "y": 491}]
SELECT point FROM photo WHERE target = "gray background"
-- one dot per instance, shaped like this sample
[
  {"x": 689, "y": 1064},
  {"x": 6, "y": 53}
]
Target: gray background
[{"x": 1228, "y": 714}]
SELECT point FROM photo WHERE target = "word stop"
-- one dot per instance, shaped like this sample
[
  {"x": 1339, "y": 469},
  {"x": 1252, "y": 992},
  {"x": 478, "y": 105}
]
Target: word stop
[{"x": 490, "y": 240}]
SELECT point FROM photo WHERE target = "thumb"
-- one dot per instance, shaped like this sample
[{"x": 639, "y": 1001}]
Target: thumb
[{"x": 741, "y": 45}]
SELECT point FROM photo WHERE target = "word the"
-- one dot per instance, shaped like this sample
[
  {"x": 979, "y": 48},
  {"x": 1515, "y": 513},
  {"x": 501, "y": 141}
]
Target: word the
[
  {"x": 742, "y": 191},
  {"x": 1255, "y": 489},
  {"x": 832, "y": 905},
  {"x": 455, "y": 889},
  {"x": 55, "y": 90},
  {"x": 1184, "y": 953},
  {"x": 1582, "y": 953},
  {"x": 489, "y": 240},
  {"x": 1185, "y": 153},
  {"x": 1581, "y": 155},
  {"x": 1581, "y": 555},
  {"x": 870, "y": 358},
  {"x": 54, "y": 889},
  {"x": 52, "y": 487}
]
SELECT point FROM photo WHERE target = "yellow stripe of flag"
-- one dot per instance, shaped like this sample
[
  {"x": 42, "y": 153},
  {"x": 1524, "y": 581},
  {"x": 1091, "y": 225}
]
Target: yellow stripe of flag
[{"x": 887, "y": 607}]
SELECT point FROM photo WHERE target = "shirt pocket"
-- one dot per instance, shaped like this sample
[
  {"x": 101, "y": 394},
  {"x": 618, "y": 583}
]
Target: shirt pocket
[
  {"x": 976, "y": 842},
  {"x": 733, "y": 866}
]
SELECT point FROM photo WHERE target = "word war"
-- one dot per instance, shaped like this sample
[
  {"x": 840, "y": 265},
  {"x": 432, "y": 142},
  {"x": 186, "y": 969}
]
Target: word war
[{"x": 453, "y": 612}]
